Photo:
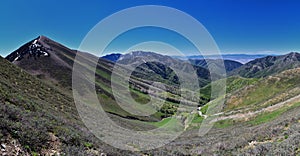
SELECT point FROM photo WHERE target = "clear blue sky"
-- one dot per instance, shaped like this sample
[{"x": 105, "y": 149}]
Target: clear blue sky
[{"x": 238, "y": 26}]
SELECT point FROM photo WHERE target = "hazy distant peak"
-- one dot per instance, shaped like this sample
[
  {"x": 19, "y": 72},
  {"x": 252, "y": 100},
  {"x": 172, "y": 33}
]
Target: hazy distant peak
[
  {"x": 112, "y": 57},
  {"x": 269, "y": 65}
]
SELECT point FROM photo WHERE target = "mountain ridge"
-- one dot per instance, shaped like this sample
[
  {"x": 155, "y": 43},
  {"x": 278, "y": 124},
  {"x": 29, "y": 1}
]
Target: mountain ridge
[
  {"x": 150, "y": 61},
  {"x": 228, "y": 64},
  {"x": 268, "y": 65}
]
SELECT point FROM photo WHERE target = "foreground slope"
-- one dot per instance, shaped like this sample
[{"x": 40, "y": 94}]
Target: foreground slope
[{"x": 41, "y": 118}]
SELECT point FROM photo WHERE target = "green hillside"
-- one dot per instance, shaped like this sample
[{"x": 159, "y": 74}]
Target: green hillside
[
  {"x": 233, "y": 83},
  {"x": 268, "y": 91}
]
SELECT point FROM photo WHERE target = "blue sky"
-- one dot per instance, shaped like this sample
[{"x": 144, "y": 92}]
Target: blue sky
[{"x": 246, "y": 26}]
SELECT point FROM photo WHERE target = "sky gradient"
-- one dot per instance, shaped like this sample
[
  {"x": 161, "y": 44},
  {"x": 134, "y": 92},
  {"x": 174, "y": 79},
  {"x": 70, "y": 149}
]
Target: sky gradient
[{"x": 248, "y": 26}]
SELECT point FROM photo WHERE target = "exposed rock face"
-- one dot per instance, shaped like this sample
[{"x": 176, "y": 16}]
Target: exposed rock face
[{"x": 33, "y": 49}]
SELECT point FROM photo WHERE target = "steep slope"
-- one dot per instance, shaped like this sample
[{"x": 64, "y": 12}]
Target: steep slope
[
  {"x": 267, "y": 91},
  {"x": 228, "y": 64},
  {"x": 268, "y": 65},
  {"x": 46, "y": 59},
  {"x": 56, "y": 65},
  {"x": 248, "y": 98},
  {"x": 233, "y": 84},
  {"x": 41, "y": 118}
]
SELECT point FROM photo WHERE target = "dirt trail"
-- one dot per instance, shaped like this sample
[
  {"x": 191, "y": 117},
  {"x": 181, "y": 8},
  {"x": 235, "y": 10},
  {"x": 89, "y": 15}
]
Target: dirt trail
[{"x": 251, "y": 114}]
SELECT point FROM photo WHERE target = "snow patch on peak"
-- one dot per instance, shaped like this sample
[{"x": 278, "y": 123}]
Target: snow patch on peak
[{"x": 35, "y": 49}]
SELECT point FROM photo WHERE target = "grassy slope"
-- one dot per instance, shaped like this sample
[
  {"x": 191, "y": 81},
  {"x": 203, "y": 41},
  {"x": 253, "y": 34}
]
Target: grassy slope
[
  {"x": 253, "y": 94},
  {"x": 233, "y": 83},
  {"x": 277, "y": 88}
]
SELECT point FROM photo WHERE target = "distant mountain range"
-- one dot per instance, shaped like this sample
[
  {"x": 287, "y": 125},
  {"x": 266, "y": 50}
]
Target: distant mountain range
[
  {"x": 228, "y": 64},
  {"x": 260, "y": 66},
  {"x": 158, "y": 67},
  {"x": 242, "y": 58},
  {"x": 112, "y": 57}
]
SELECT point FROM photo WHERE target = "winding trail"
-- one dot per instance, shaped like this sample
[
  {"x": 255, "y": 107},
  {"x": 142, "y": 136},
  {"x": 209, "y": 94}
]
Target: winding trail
[{"x": 253, "y": 113}]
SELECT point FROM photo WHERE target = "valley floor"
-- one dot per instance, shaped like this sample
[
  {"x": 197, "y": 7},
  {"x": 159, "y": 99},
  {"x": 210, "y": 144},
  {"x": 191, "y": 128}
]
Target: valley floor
[{"x": 280, "y": 136}]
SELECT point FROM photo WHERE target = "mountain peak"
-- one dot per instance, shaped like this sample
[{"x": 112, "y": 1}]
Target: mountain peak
[
  {"x": 293, "y": 55},
  {"x": 44, "y": 38},
  {"x": 33, "y": 49},
  {"x": 45, "y": 58}
]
